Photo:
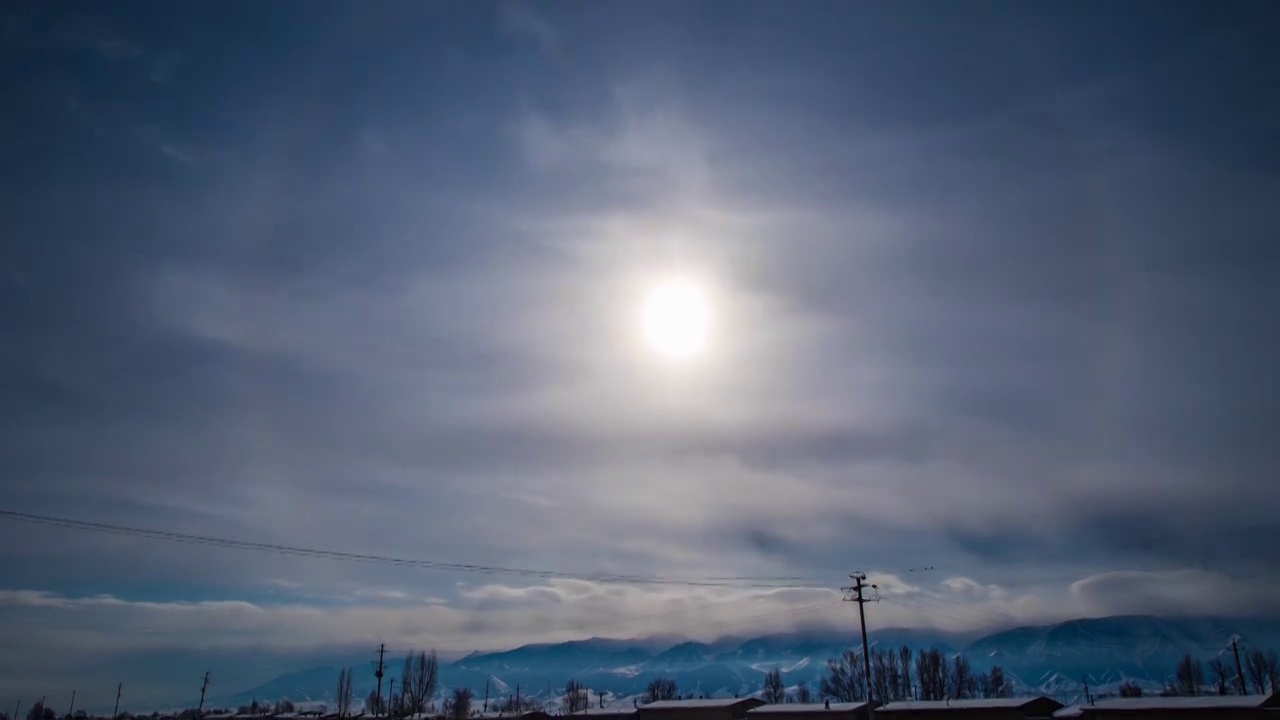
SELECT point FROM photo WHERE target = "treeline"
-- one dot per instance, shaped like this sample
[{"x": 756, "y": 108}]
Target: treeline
[
  {"x": 904, "y": 675},
  {"x": 895, "y": 675},
  {"x": 1256, "y": 671},
  {"x": 40, "y": 711},
  {"x": 266, "y": 708}
]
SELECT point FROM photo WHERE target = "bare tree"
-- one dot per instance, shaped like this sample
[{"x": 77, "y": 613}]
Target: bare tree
[
  {"x": 576, "y": 697},
  {"x": 1219, "y": 673},
  {"x": 1188, "y": 677},
  {"x": 661, "y": 688},
  {"x": 284, "y": 706},
  {"x": 904, "y": 671},
  {"x": 458, "y": 704},
  {"x": 1130, "y": 689},
  {"x": 893, "y": 683},
  {"x": 1262, "y": 669},
  {"x": 931, "y": 674},
  {"x": 373, "y": 703},
  {"x": 342, "y": 699},
  {"x": 960, "y": 679},
  {"x": 845, "y": 681},
  {"x": 773, "y": 691},
  {"x": 982, "y": 685},
  {"x": 418, "y": 681},
  {"x": 516, "y": 704},
  {"x": 1001, "y": 686},
  {"x": 803, "y": 693},
  {"x": 881, "y": 682}
]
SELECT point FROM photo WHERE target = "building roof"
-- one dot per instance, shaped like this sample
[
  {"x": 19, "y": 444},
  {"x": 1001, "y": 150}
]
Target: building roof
[
  {"x": 971, "y": 704},
  {"x": 1071, "y": 711},
  {"x": 700, "y": 703},
  {"x": 796, "y": 708},
  {"x": 1200, "y": 702},
  {"x": 612, "y": 710}
]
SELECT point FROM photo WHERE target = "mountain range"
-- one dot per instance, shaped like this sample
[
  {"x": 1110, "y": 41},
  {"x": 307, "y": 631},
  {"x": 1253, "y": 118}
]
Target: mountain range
[{"x": 1051, "y": 659}]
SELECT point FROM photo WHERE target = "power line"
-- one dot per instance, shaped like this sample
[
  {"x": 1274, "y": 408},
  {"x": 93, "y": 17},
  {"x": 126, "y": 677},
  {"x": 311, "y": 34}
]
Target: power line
[{"x": 109, "y": 528}]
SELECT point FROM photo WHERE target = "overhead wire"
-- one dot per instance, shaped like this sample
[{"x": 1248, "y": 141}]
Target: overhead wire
[{"x": 298, "y": 551}]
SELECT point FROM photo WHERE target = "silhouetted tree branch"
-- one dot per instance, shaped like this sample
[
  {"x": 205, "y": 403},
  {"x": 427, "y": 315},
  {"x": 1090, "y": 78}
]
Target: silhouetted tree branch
[{"x": 773, "y": 691}]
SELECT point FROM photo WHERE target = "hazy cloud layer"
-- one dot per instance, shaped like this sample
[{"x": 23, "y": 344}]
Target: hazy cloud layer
[{"x": 990, "y": 293}]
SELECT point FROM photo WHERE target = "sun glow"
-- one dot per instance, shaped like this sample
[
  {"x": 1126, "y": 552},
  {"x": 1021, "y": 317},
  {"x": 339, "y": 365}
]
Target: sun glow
[{"x": 676, "y": 318}]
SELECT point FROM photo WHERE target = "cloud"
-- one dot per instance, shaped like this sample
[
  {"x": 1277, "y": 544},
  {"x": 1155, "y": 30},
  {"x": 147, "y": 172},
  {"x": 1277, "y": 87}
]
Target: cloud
[
  {"x": 972, "y": 327},
  {"x": 486, "y": 616},
  {"x": 1175, "y": 593},
  {"x": 521, "y": 20}
]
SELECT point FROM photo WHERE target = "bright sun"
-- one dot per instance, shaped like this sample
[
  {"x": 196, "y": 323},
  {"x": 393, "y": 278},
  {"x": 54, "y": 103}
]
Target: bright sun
[{"x": 676, "y": 319}]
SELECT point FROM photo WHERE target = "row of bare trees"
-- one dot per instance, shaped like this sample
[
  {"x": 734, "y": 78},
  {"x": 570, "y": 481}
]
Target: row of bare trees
[
  {"x": 419, "y": 679},
  {"x": 342, "y": 698},
  {"x": 660, "y": 688},
  {"x": 266, "y": 708},
  {"x": 576, "y": 697},
  {"x": 774, "y": 691},
  {"x": 458, "y": 704},
  {"x": 892, "y": 677},
  {"x": 1258, "y": 672}
]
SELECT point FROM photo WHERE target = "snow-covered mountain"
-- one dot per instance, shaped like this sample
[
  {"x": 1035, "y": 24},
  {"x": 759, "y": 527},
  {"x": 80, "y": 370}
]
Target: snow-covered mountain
[
  {"x": 1108, "y": 651},
  {"x": 1054, "y": 659}
]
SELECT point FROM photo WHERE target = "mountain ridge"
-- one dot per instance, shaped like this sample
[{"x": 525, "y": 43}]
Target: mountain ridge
[{"x": 1051, "y": 659}]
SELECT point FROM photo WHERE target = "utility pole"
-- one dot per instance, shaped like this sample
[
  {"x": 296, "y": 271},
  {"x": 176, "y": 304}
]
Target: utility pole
[
  {"x": 382, "y": 649},
  {"x": 854, "y": 594},
  {"x": 203, "y": 687},
  {"x": 71, "y": 711},
  {"x": 1087, "y": 697},
  {"x": 391, "y": 695},
  {"x": 16, "y": 708},
  {"x": 486, "y": 694},
  {"x": 116, "y": 713},
  {"x": 1239, "y": 670},
  {"x": 518, "y": 699}
]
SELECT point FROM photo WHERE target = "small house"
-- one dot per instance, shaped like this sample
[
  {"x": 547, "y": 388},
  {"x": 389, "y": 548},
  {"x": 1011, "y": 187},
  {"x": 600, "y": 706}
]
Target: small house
[
  {"x": 699, "y": 709},
  {"x": 811, "y": 711},
  {"x": 1027, "y": 708},
  {"x": 1202, "y": 707},
  {"x": 613, "y": 712}
]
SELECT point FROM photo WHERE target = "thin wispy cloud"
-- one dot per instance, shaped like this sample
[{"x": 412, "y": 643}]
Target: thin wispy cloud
[{"x": 379, "y": 287}]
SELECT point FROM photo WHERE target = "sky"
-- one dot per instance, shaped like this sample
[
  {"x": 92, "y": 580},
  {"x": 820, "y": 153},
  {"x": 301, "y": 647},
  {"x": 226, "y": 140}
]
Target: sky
[{"x": 989, "y": 294}]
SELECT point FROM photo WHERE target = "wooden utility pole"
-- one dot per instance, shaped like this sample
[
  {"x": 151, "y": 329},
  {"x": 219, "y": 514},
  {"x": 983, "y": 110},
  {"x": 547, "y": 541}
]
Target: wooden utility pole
[
  {"x": 1239, "y": 669},
  {"x": 486, "y": 694},
  {"x": 854, "y": 594},
  {"x": 382, "y": 649},
  {"x": 71, "y": 711},
  {"x": 203, "y": 687},
  {"x": 116, "y": 713}
]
